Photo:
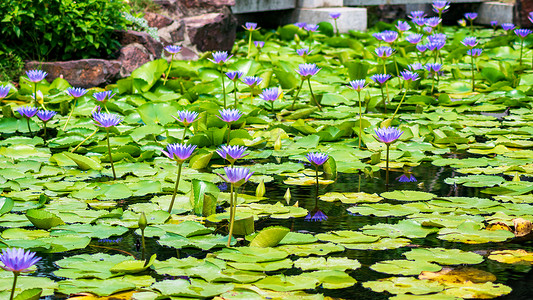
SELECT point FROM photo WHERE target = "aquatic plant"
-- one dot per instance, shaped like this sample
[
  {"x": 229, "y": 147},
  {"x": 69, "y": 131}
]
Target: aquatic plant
[
  {"x": 45, "y": 116},
  {"x": 17, "y": 261},
  {"x": 27, "y": 112},
  {"x": 306, "y": 71},
  {"x": 142, "y": 223},
  {"x": 229, "y": 116},
  {"x": 74, "y": 93},
  {"x": 106, "y": 121},
  {"x": 179, "y": 153},
  {"x": 234, "y": 76},
  {"x": 236, "y": 177},
  {"x": 381, "y": 79},
  {"x": 387, "y": 135},
  {"x": 271, "y": 95},
  {"x": 522, "y": 33},
  {"x": 335, "y": 16},
  {"x": 317, "y": 159},
  {"x": 471, "y": 16},
  {"x": 250, "y": 27},
  {"x": 173, "y": 50},
  {"x": 4, "y": 91},
  {"x": 220, "y": 58},
  {"x": 358, "y": 86},
  {"x": 186, "y": 117},
  {"x": 232, "y": 153},
  {"x": 36, "y": 76}
]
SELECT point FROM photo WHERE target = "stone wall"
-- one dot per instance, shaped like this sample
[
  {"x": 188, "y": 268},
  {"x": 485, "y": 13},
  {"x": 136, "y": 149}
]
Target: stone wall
[{"x": 196, "y": 25}]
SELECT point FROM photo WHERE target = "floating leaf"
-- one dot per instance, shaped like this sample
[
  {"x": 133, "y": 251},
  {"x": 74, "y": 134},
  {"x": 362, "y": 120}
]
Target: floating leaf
[
  {"x": 404, "y": 267},
  {"x": 444, "y": 256}
]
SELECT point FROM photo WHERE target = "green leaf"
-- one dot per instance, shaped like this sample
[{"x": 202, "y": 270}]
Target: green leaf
[
  {"x": 269, "y": 237},
  {"x": 43, "y": 219}
]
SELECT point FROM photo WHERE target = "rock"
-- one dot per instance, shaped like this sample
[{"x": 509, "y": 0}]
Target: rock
[
  {"x": 84, "y": 73},
  {"x": 523, "y": 7},
  {"x": 172, "y": 34},
  {"x": 213, "y": 31},
  {"x": 131, "y": 57},
  {"x": 156, "y": 20},
  {"x": 196, "y": 7},
  {"x": 154, "y": 47}
]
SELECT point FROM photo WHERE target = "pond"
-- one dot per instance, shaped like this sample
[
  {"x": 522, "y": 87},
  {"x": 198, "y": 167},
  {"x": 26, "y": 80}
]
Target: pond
[{"x": 345, "y": 177}]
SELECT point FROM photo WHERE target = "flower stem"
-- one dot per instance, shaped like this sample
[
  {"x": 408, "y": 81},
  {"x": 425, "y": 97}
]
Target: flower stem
[
  {"x": 223, "y": 85},
  {"x": 44, "y": 134},
  {"x": 297, "y": 93},
  {"x": 249, "y": 44},
  {"x": 313, "y": 95},
  {"x": 360, "y": 120},
  {"x": 397, "y": 71},
  {"x": 472, "y": 71},
  {"x": 143, "y": 244},
  {"x": 70, "y": 114},
  {"x": 336, "y": 28},
  {"x": 175, "y": 189},
  {"x": 184, "y": 133},
  {"x": 272, "y": 107},
  {"x": 29, "y": 129},
  {"x": 235, "y": 92},
  {"x": 433, "y": 82},
  {"x": 387, "y": 170},
  {"x": 401, "y": 101},
  {"x": 521, "y": 49},
  {"x": 15, "y": 274},
  {"x": 109, "y": 152},
  {"x": 383, "y": 98},
  {"x": 81, "y": 143},
  {"x": 316, "y": 175},
  {"x": 232, "y": 210},
  {"x": 168, "y": 70},
  {"x": 229, "y": 131}
]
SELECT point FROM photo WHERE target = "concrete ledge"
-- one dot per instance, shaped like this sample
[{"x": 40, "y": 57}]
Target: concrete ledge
[
  {"x": 251, "y": 6},
  {"x": 352, "y": 18},
  {"x": 495, "y": 11},
  {"x": 319, "y": 3},
  {"x": 398, "y": 2}
]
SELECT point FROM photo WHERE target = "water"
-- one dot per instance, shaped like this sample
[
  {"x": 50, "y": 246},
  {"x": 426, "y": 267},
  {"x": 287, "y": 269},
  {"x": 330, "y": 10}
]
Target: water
[{"x": 430, "y": 179}]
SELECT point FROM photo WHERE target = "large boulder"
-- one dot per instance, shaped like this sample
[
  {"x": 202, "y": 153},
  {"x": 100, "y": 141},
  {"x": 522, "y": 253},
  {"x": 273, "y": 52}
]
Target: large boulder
[
  {"x": 156, "y": 20},
  {"x": 212, "y": 31},
  {"x": 155, "y": 48},
  {"x": 84, "y": 73},
  {"x": 131, "y": 57},
  {"x": 523, "y": 8}
]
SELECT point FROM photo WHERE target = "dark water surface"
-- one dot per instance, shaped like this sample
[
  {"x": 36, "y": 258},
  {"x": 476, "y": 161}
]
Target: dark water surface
[{"x": 430, "y": 179}]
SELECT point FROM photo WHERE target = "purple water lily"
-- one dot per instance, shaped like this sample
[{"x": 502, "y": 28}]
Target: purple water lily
[
  {"x": 259, "y": 44},
  {"x": 475, "y": 52},
  {"x": 17, "y": 260},
  {"x": 311, "y": 27},
  {"x": 523, "y": 32},
  {"x": 236, "y": 176},
  {"x": 470, "y": 41},
  {"x": 389, "y": 36},
  {"x": 76, "y": 92},
  {"x": 406, "y": 178},
  {"x": 303, "y": 51},
  {"x": 103, "y": 96},
  {"x": 471, "y": 16},
  {"x": 434, "y": 68},
  {"x": 232, "y": 153},
  {"x": 415, "y": 66},
  {"x": 508, "y": 26},
  {"x": 358, "y": 85},
  {"x": 307, "y": 70},
  {"x": 27, "y": 111},
  {"x": 335, "y": 15},
  {"x": 173, "y": 49},
  {"x": 300, "y": 25},
  {"x": 229, "y": 115},
  {"x": 421, "y": 48},
  {"x": 414, "y": 38},
  {"x": 433, "y": 21},
  {"x": 387, "y": 135},
  {"x": 252, "y": 81},
  {"x": 419, "y": 21},
  {"x": 416, "y": 14},
  {"x": 403, "y": 26},
  {"x": 494, "y": 24},
  {"x": 409, "y": 76},
  {"x": 4, "y": 91},
  {"x": 250, "y": 26},
  {"x": 46, "y": 115},
  {"x": 186, "y": 117},
  {"x": 440, "y": 6},
  {"x": 220, "y": 57},
  {"x": 317, "y": 158},
  {"x": 384, "y": 51},
  {"x": 106, "y": 120},
  {"x": 179, "y": 152},
  {"x": 36, "y": 75},
  {"x": 271, "y": 94},
  {"x": 234, "y": 75},
  {"x": 380, "y": 78}
]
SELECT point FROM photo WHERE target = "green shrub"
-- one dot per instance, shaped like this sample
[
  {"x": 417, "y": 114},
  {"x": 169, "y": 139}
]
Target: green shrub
[
  {"x": 11, "y": 66},
  {"x": 61, "y": 29}
]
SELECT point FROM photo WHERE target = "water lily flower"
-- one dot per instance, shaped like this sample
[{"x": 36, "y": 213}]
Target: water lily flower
[
  {"x": 220, "y": 57},
  {"x": 76, "y": 92},
  {"x": 236, "y": 175},
  {"x": 389, "y": 36},
  {"x": 317, "y": 216},
  {"x": 409, "y": 76},
  {"x": 307, "y": 70},
  {"x": 186, "y": 117},
  {"x": 437, "y": 37},
  {"x": 173, "y": 49},
  {"x": 384, "y": 51},
  {"x": 378, "y": 36},
  {"x": 434, "y": 68},
  {"x": 414, "y": 38},
  {"x": 470, "y": 41},
  {"x": 475, "y": 52},
  {"x": 259, "y": 44},
  {"x": 461, "y": 22},
  {"x": 4, "y": 90},
  {"x": 335, "y": 15},
  {"x": 317, "y": 158},
  {"x": 36, "y": 75},
  {"x": 494, "y": 24},
  {"x": 530, "y": 17},
  {"x": 523, "y": 32},
  {"x": 311, "y": 27},
  {"x": 103, "y": 96},
  {"x": 428, "y": 29},
  {"x": 406, "y": 178},
  {"x": 440, "y": 6},
  {"x": 508, "y": 26},
  {"x": 433, "y": 21},
  {"x": 270, "y": 94},
  {"x": 416, "y": 14},
  {"x": 250, "y": 26},
  {"x": 470, "y": 16},
  {"x": 436, "y": 45},
  {"x": 234, "y": 75},
  {"x": 232, "y": 153},
  {"x": 300, "y": 25},
  {"x": 46, "y": 115},
  {"x": 17, "y": 261},
  {"x": 179, "y": 152},
  {"x": 415, "y": 66},
  {"x": 403, "y": 26},
  {"x": 380, "y": 78},
  {"x": 106, "y": 120},
  {"x": 252, "y": 81},
  {"x": 27, "y": 111},
  {"x": 387, "y": 135},
  {"x": 419, "y": 21},
  {"x": 358, "y": 85},
  {"x": 421, "y": 48},
  {"x": 303, "y": 51},
  {"x": 229, "y": 115}
]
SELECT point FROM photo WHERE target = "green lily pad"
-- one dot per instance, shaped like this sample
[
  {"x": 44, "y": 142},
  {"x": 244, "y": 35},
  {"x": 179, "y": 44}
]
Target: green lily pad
[
  {"x": 404, "y": 285},
  {"x": 404, "y": 228},
  {"x": 404, "y": 267},
  {"x": 472, "y": 233},
  {"x": 269, "y": 237},
  {"x": 444, "y": 256},
  {"x": 282, "y": 283},
  {"x": 331, "y": 263},
  {"x": 408, "y": 195},
  {"x": 43, "y": 219}
]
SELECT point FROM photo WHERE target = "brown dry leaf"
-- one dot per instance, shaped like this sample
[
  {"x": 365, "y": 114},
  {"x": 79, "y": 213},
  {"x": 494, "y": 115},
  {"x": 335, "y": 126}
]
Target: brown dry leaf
[
  {"x": 498, "y": 226},
  {"x": 458, "y": 275},
  {"x": 89, "y": 296},
  {"x": 522, "y": 227}
]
